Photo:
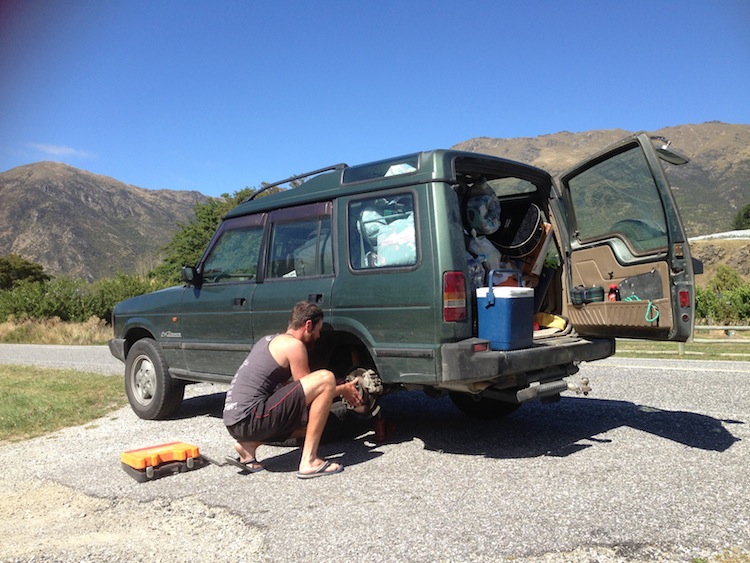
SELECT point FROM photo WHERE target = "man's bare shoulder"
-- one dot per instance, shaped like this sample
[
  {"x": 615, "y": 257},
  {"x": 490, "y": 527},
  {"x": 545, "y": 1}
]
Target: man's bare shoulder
[{"x": 284, "y": 347}]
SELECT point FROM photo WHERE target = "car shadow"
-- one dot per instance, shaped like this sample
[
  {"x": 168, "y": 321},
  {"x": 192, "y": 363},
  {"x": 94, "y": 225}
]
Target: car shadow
[
  {"x": 201, "y": 405},
  {"x": 536, "y": 429},
  {"x": 552, "y": 429}
]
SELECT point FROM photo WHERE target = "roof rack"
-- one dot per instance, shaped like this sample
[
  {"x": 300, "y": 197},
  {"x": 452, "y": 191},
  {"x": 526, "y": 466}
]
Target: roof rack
[{"x": 339, "y": 166}]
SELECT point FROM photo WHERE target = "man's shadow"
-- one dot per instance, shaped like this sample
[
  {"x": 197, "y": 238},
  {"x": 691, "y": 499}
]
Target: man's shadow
[{"x": 536, "y": 429}]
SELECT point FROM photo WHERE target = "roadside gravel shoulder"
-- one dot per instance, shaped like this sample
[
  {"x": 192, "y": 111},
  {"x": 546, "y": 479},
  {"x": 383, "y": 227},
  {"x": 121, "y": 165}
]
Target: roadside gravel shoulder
[{"x": 43, "y": 520}]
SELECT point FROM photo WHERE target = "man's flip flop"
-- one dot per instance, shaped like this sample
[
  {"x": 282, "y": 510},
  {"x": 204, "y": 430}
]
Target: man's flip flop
[
  {"x": 246, "y": 466},
  {"x": 320, "y": 471}
]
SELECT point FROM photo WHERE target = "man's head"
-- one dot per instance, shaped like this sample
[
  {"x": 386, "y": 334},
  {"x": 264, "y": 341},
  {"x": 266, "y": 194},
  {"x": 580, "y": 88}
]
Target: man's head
[{"x": 309, "y": 317}]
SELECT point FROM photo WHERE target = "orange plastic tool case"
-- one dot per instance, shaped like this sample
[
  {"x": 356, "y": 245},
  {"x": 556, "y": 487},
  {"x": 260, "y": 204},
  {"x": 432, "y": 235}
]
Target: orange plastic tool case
[{"x": 153, "y": 462}]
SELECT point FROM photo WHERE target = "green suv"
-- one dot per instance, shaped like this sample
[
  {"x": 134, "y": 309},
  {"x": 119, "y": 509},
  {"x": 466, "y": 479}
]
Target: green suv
[{"x": 400, "y": 254}]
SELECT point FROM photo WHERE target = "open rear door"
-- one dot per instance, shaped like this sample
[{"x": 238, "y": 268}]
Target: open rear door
[{"x": 624, "y": 230}]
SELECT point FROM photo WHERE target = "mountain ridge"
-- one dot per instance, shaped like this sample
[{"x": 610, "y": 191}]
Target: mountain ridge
[
  {"x": 81, "y": 224},
  {"x": 86, "y": 225}
]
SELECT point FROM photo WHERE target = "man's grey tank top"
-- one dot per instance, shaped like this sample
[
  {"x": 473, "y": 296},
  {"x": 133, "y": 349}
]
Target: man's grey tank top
[{"x": 256, "y": 380}]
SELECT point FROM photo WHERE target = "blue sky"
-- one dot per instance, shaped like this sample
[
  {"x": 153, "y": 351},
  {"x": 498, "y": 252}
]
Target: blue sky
[{"x": 215, "y": 96}]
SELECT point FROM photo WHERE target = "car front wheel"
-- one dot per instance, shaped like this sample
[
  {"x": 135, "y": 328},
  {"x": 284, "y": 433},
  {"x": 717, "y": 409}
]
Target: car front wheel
[{"x": 152, "y": 393}]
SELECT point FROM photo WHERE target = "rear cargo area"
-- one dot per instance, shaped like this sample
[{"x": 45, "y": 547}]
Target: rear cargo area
[{"x": 510, "y": 248}]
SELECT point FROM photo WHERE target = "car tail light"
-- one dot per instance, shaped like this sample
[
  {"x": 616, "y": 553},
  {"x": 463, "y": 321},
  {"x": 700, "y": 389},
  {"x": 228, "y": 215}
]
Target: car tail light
[
  {"x": 454, "y": 297},
  {"x": 684, "y": 299}
]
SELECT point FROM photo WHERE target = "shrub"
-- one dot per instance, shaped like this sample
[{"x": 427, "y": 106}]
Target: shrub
[
  {"x": 70, "y": 300},
  {"x": 726, "y": 300},
  {"x": 14, "y": 268},
  {"x": 107, "y": 293}
]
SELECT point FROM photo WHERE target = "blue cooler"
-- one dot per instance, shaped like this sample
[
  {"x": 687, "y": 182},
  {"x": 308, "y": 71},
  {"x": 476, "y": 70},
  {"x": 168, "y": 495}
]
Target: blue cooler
[{"x": 506, "y": 316}]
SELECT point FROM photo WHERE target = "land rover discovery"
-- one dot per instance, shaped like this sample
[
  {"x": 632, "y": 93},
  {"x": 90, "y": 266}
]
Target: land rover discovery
[{"x": 398, "y": 253}]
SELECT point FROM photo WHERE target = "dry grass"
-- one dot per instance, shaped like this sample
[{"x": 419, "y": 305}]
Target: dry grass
[{"x": 55, "y": 331}]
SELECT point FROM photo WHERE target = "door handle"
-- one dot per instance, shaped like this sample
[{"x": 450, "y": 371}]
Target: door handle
[
  {"x": 239, "y": 301},
  {"x": 316, "y": 298}
]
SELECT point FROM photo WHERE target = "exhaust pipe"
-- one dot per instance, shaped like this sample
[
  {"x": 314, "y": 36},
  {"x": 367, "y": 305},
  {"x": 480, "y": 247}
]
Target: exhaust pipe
[{"x": 541, "y": 391}]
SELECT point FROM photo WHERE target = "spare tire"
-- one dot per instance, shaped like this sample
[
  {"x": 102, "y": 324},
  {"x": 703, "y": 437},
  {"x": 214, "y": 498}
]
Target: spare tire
[{"x": 527, "y": 237}]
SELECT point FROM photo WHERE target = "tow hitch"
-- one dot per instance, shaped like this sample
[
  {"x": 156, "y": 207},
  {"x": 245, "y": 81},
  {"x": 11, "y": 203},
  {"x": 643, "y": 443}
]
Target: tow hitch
[{"x": 582, "y": 387}]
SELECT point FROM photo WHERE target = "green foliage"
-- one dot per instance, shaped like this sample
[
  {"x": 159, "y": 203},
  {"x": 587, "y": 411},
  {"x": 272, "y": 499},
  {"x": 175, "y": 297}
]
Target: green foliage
[
  {"x": 725, "y": 279},
  {"x": 726, "y": 300},
  {"x": 69, "y": 299},
  {"x": 742, "y": 219},
  {"x": 14, "y": 268}
]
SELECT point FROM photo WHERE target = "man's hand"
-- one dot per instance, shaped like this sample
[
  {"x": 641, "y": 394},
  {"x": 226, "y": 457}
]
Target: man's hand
[{"x": 348, "y": 391}]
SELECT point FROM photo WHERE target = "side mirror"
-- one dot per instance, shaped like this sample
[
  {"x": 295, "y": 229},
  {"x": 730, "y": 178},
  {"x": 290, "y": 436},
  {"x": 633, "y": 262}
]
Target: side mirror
[{"x": 190, "y": 276}]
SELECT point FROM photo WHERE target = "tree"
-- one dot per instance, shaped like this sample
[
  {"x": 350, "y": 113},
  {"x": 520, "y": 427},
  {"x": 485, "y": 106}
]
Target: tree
[
  {"x": 726, "y": 278},
  {"x": 189, "y": 242},
  {"x": 742, "y": 219},
  {"x": 14, "y": 268}
]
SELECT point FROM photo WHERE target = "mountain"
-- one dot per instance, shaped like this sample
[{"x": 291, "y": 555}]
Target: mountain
[
  {"x": 80, "y": 224},
  {"x": 709, "y": 190}
]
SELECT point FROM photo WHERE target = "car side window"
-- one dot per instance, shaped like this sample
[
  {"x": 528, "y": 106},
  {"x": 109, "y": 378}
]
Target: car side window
[
  {"x": 382, "y": 233},
  {"x": 301, "y": 248},
  {"x": 619, "y": 197},
  {"x": 234, "y": 256}
]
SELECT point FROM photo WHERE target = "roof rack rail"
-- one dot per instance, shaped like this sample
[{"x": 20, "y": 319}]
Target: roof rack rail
[{"x": 339, "y": 166}]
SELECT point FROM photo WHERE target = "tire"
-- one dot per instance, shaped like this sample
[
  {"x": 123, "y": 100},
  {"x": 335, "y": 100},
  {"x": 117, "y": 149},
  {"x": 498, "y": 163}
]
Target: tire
[
  {"x": 477, "y": 406},
  {"x": 151, "y": 391}
]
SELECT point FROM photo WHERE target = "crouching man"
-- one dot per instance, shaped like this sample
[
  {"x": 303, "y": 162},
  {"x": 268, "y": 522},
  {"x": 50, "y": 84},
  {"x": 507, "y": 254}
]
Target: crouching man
[{"x": 260, "y": 409}]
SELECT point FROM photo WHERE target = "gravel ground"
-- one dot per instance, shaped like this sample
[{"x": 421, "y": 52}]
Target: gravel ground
[{"x": 652, "y": 466}]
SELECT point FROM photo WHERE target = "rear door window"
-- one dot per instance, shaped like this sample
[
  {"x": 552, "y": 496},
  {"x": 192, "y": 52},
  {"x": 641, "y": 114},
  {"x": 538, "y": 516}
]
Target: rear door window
[{"x": 619, "y": 197}]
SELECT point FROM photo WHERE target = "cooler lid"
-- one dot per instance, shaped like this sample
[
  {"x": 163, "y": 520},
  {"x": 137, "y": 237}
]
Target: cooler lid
[{"x": 506, "y": 292}]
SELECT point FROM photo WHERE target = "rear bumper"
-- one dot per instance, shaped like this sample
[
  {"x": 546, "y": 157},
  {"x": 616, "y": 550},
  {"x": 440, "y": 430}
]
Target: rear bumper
[{"x": 461, "y": 364}]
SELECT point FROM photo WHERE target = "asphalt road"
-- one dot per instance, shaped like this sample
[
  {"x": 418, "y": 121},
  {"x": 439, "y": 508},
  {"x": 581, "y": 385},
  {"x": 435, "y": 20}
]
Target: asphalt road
[{"x": 652, "y": 465}]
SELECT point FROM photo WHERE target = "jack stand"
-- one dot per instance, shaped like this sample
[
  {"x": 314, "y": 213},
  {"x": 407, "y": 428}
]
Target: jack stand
[{"x": 381, "y": 429}]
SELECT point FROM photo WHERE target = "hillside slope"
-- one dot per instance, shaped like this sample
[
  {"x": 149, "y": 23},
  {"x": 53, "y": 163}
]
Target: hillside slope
[
  {"x": 732, "y": 252},
  {"x": 85, "y": 225}
]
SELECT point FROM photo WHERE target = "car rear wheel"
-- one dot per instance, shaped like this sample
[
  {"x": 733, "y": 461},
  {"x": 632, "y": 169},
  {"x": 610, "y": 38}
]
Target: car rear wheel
[
  {"x": 151, "y": 391},
  {"x": 477, "y": 406}
]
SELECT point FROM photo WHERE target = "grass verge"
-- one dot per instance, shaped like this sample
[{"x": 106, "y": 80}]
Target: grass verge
[
  {"x": 738, "y": 350},
  {"x": 35, "y": 401}
]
